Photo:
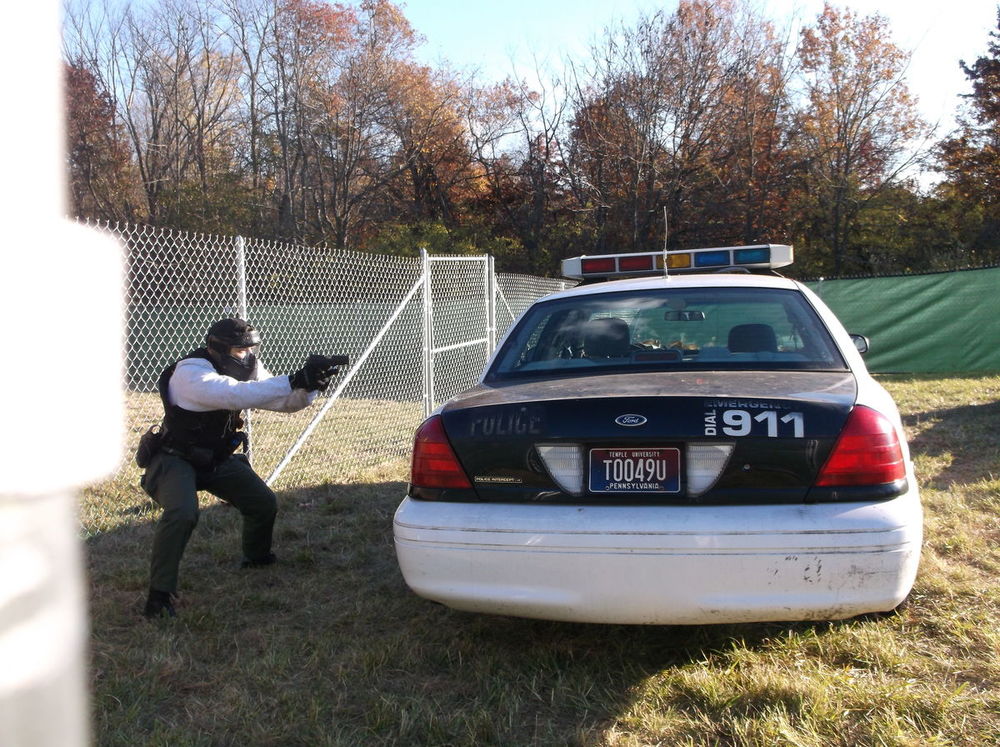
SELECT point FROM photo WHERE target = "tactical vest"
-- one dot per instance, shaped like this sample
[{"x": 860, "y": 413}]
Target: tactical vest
[{"x": 203, "y": 438}]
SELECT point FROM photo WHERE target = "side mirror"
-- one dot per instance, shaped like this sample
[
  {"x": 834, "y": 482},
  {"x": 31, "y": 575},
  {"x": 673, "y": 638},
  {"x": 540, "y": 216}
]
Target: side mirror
[{"x": 861, "y": 343}]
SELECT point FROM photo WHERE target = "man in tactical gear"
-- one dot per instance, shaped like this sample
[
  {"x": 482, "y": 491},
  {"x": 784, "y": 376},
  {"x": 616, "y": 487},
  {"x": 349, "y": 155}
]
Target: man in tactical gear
[{"x": 203, "y": 397}]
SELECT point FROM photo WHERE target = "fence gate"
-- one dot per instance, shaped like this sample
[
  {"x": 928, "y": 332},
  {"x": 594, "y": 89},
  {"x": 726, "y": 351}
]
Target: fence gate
[{"x": 459, "y": 324}]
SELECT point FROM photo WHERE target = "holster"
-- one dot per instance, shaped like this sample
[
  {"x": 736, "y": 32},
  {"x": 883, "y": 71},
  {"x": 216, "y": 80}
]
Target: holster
[{"x": 150, "y": 443}]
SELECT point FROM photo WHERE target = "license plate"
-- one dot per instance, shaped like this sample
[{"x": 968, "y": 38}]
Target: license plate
[{"x": 655, "y": 470}]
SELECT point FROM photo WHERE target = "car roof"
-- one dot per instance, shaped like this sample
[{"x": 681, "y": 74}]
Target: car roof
[{"x": 686, "y": 281}]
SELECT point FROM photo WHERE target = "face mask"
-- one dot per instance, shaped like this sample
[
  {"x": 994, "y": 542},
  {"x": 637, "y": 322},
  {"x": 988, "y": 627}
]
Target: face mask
[{"x": 239, "y": 369}]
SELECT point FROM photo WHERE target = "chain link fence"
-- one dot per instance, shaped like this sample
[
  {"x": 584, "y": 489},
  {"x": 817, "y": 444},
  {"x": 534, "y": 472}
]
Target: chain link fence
[{"x": 417, "y": 330}]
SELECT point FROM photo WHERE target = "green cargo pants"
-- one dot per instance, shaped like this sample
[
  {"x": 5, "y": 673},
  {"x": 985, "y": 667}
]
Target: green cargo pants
[{"x": 174, "y": 483}]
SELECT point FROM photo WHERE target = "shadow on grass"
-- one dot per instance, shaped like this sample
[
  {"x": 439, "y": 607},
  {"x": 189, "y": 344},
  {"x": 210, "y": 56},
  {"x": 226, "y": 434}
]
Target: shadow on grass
[
  {"x": 970, "y": 434},
  {"x": 330, "y": 647}
]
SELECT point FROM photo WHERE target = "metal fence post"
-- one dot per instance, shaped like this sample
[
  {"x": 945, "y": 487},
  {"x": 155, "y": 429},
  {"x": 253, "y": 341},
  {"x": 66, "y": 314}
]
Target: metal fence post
[
  {"x": 491, "y": 304},
  {"x": 428, "y": 335},
  {"x": 241, "y": 277},
  {"x": 241, "y": 312}
]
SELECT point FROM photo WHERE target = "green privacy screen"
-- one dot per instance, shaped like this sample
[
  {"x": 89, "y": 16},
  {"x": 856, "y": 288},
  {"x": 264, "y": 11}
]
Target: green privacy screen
[{"x": 941, "y": 323}]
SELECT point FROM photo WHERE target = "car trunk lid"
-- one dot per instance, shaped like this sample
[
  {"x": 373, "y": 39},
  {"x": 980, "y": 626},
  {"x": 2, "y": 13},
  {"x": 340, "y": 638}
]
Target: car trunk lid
[{"x": 733, "y": 437}]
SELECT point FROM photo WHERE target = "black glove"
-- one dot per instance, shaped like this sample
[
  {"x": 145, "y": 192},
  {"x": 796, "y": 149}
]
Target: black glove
[{"x": 315, "y": 375}]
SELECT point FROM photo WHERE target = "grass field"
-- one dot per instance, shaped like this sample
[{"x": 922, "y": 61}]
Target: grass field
[{"x": 330, "y": 648}]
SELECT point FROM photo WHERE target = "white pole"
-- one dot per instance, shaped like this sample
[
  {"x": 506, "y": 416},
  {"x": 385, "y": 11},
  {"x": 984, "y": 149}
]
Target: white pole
[
  {"x": 491, "y": 305},
  {"x": 428, "y": 335},
  {"x": 241, "y": 278},
  {"x": 61, "y": 292},
  {"x": 241, "y": 312},
  {"x": 666, "y": 231}
]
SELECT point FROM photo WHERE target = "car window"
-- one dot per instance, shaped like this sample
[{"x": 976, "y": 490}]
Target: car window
[{"x": 701, "y": 328}]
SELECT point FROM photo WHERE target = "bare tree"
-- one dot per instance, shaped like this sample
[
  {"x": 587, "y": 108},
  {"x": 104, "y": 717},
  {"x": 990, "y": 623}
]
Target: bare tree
[
  {"x": 517, "y": 139},
  {"x": 249, "y": 25},
  {"x": 858, "y": 121},
  {"x": 174, "y": 87},
  {"x": 663, "y": 112}
]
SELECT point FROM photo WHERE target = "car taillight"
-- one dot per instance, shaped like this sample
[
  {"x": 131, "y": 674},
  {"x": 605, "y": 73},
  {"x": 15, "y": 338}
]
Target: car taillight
[
  {"x": 866, "y": 453},
  {"x": 434, "y": 462}
]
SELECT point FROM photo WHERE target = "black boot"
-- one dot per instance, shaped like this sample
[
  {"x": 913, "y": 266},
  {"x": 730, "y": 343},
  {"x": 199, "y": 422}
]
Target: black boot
[
  {"x": 159, "y": 604},
  {"x": 268, "y": 559}
]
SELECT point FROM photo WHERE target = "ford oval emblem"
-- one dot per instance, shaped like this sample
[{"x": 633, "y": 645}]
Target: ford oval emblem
[{"x": 630, "y": 420}]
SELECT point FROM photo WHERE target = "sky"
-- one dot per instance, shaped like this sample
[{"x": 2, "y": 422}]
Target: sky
[{"x": 494, "y": 35}]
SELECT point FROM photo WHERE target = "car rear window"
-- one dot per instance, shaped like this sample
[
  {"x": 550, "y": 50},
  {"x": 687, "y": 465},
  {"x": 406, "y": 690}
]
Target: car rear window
[{"x": 729, "y": 329}]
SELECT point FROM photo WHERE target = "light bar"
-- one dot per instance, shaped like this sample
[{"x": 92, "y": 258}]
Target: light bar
[{"x": 603, "y": 266}]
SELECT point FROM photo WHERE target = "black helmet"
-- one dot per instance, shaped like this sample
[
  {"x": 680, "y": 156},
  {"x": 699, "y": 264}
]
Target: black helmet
[{"x": 231, "y": 333}]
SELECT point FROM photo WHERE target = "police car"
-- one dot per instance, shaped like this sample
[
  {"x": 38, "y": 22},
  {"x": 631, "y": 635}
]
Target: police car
[{"x": 698, "y": 443}]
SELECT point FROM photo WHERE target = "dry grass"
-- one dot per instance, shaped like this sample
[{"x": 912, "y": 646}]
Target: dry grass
[{"x": 329, "y": 647}]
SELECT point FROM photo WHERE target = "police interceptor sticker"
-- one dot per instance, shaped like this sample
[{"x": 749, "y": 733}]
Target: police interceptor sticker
[
  {"x": 752, "y": 418},
  {"x": 498, "y": 479}
]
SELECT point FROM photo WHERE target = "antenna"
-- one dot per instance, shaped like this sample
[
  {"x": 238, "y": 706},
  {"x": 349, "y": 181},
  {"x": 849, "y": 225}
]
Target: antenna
[{"x": 666, "y": 231}]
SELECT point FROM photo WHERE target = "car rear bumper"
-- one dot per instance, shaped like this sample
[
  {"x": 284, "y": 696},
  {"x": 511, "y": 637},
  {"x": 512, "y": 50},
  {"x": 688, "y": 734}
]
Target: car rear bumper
[{"x": 662, "y": 564}]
